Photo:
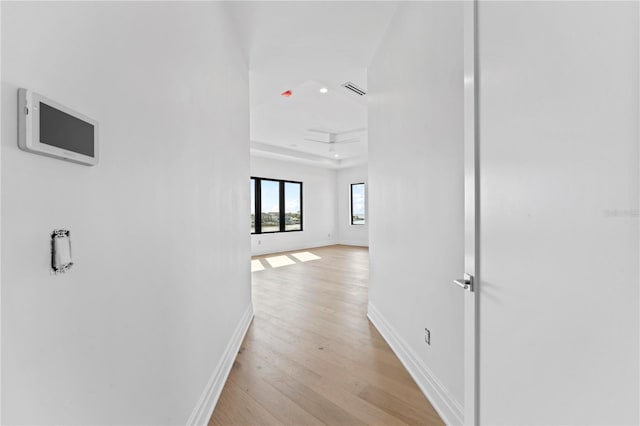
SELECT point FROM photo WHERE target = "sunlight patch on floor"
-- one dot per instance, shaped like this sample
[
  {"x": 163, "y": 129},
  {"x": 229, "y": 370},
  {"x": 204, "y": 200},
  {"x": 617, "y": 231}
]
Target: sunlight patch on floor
[
  {"x": 305, "y": 256},
  {"x": 256, "y": 265},
  {"x": 278, "y": 261}
]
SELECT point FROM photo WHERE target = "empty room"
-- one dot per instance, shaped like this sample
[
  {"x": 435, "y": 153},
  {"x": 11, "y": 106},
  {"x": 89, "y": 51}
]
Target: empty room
[{"x": 320, "y": 212}]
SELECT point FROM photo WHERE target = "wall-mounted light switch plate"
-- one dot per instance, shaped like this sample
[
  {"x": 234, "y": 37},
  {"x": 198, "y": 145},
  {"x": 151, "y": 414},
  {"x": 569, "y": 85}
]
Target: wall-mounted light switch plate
[{"x": 61, "y": 251}]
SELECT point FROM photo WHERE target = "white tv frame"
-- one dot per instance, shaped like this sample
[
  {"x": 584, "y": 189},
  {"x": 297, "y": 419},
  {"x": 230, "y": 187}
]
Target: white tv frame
[{"x": 29, "y": 129}]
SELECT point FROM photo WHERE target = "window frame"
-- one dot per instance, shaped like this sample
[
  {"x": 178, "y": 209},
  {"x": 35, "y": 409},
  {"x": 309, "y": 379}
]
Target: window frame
[
  {"x": 351, "y": 204},
  {"x": 281, "y": 207}
]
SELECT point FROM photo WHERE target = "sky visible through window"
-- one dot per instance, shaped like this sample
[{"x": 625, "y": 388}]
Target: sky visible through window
[
  {"x": 292, "y": 197},
  {"x": 271, "y": 197},
  {"x": 357, "y": 200}
]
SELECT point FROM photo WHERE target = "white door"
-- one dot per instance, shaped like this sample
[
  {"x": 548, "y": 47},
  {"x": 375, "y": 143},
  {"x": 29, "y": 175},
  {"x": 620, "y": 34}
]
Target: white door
[
  {"x": 556, "y": 119},
  {"x": 469, "y": 282}
]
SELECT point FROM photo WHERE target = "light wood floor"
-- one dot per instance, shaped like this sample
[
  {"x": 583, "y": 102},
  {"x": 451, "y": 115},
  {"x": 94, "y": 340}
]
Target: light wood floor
[{"x": 311, "y": 356}]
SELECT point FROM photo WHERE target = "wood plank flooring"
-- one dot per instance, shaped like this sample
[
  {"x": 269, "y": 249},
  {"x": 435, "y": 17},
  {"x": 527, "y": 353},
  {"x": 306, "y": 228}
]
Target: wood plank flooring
[{"x": 311, "y": 357}]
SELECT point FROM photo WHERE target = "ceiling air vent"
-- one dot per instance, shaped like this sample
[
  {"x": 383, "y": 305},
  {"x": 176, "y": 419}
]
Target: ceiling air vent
[{"x": 355, "y": 89}]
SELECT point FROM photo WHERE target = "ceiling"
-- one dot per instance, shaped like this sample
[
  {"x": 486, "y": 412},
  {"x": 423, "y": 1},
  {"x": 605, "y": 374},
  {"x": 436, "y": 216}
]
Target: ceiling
[{"x": 304, "y": 46}]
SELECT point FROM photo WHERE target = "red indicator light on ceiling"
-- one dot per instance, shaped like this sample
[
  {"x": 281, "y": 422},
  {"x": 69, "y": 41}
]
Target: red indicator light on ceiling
[{"x": 286, "y": 93}]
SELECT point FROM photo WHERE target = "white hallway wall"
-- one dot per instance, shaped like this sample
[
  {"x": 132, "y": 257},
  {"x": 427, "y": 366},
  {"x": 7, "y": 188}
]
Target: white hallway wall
[
  {"x": 559, "y": 212},
  {"x": 134, "y": 331},
  {"x": 416, "y": 195},
  {"x": 323, "y": 206}
]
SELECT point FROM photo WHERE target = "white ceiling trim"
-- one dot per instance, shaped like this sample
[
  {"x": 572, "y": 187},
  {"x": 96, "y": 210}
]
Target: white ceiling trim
[{"x": 259, "y": 149}]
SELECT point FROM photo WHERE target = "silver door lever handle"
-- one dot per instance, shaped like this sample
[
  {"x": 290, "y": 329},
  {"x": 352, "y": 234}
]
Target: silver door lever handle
[{"x": 466, "y": 283}]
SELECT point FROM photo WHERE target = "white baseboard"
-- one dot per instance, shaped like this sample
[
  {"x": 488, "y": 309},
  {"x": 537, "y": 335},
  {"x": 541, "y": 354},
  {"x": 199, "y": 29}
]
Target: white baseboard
[
  {"x": 449, "y": 409},
  {"x": 209, "y": 398},
  {"x": 353, "y": 243},
  {"x": 260, "y": 252},
  {"x": 294, "y": 247}
]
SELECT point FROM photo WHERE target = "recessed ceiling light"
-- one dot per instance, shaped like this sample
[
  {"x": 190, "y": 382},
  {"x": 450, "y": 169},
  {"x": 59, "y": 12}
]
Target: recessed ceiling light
[
  {"x": 336, "y": 155},
  {"x": 324, "y": 90}
]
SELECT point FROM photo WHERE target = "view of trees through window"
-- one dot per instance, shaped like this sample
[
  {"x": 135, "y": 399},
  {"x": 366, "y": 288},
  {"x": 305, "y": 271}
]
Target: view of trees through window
[
  {"x": 279, "y": 204},
  {"x": 358, "y": 214}
]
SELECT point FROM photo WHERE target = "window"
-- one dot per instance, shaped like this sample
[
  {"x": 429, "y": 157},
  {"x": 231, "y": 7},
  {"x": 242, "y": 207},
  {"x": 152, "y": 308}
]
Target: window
[
  {"x": 278, "y": 203},
  {"x": 269, "y": 205},
  {"x": 358, "y": 213},
  {"x": 253, "y": 205},
  {"x": 292, "y": 203}
]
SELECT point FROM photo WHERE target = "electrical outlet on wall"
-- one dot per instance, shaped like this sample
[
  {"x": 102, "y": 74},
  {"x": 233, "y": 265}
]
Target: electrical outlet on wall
[{"x": 427, "y": 336}]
